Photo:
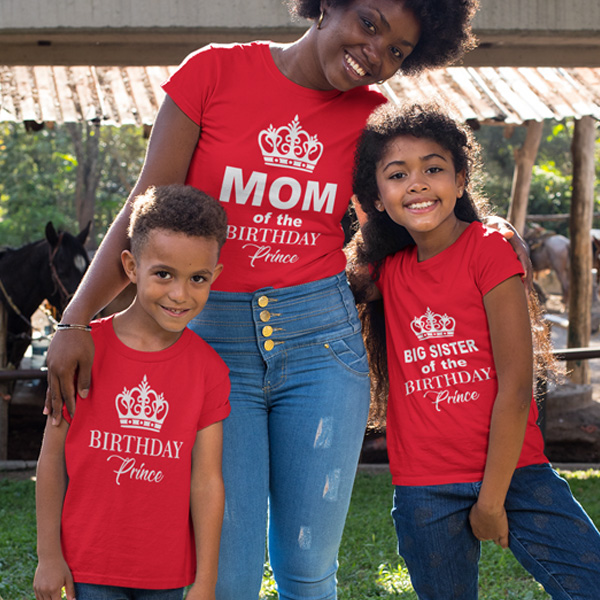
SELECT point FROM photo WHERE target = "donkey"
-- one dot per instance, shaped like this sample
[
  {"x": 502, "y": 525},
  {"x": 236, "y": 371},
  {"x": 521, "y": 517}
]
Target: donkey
[
  {"x": 49, "y": 269},
  {"x": 550, "y": 250}
]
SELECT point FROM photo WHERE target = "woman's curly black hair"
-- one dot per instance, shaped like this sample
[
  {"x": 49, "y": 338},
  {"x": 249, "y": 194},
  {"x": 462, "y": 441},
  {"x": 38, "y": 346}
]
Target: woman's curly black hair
[
  {"x": 380, "y": 236},
  {"x": 445, "y": 29}
]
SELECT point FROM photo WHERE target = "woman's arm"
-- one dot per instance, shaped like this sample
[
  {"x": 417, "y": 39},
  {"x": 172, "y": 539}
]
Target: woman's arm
[
  {"x": 70, "y": 355},
  {"x": 510, "y": 332},
  {"x": 518, "y": 244},
  {"x": 361, "y": 284},
  {"x": 52, "y": 573},
  {"x": 207, "y": 505}
]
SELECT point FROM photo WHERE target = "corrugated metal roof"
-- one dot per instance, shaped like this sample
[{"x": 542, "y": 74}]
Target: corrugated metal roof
[
  {"x": 506, "y": 94},
  {"x": 113, "y": 95},
  {"x": 132, "y": 95}
]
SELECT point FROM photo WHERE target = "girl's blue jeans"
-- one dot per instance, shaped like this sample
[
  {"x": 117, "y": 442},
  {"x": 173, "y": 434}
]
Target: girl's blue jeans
[
  {"x": 89, "y": 591},
  {"x": 300, "y": 397},
  {"x": 550, "y": 535}
]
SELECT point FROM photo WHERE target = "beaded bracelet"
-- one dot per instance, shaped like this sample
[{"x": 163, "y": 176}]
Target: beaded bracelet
[{"x": 65, "y": 326}]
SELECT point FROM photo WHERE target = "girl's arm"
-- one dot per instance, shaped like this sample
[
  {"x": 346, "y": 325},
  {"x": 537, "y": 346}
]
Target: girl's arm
[
  {"x": 510, "y": 332},
  {"x": 52, "y": 573},
  {"x": 70, "y": 355},
  {"x": 207, "y": 505}
]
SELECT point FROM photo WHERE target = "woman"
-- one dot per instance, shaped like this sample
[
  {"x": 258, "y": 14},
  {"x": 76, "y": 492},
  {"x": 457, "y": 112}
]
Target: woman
[{"x": 270, "y": 130}]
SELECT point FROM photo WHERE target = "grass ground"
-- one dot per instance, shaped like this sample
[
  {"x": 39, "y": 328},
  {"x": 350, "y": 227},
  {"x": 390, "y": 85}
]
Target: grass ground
[{"x": 369, "y": 566}]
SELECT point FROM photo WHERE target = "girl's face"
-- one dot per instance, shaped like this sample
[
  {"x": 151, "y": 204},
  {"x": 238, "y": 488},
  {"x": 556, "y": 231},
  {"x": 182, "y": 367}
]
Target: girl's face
[
  {"x": 363, "y": 42},
  {"x": 418, "y": 186}
]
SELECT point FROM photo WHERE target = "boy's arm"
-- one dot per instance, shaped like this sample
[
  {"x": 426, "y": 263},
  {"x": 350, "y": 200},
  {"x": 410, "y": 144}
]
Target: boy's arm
[
  {"x": 510, "y": 332},
  {"x": 207, "y": 505},
  {"x": 52, "y": 573}
]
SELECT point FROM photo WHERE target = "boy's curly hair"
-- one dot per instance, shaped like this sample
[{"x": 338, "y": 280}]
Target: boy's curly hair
[
  {"x": 446, "y": 32},
  {"x": 178, "y": 208}
]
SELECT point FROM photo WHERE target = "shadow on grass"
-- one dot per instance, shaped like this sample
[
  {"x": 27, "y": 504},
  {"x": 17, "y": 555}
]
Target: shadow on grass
[{"x": 369, "y": 565}]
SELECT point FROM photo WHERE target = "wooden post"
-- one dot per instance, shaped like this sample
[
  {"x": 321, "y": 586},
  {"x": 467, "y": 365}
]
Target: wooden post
[
  {"x": 524, "y": 160},
  {"x": 580, "y": 285},
  {"x": 3, "y": 387}
]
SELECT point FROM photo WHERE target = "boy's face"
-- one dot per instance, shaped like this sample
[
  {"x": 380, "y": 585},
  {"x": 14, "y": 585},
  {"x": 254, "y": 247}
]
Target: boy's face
[{"x": 173, "y": 274}]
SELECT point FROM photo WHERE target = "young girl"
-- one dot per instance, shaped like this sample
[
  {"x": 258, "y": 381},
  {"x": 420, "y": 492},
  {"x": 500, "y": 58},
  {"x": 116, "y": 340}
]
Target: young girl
[{"x": 466, "y": 454}]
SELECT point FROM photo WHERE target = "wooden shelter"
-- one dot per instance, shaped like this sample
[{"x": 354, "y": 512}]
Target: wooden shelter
[
  {"x": 506, "y": 96},
  {"x": 89, "y": 61}
]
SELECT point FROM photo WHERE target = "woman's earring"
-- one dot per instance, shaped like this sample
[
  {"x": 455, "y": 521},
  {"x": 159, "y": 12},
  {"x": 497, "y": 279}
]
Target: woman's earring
[
  {"x": 379, "y": 206},
  {"x": 320, "y": 21}
]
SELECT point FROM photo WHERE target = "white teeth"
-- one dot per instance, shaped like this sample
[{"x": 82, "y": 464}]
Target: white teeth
[
  {"x": 420, "y": 205},
  {"x": 176, "y": 310},
  {"x": 355, "y": 66}
]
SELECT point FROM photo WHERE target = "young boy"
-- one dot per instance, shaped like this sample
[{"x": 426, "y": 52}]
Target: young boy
[{"x": 129, "y": 491}]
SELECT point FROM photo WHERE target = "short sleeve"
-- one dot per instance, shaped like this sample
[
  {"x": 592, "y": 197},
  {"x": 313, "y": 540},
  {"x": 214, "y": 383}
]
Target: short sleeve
[
  {"x": 497, "y": 261},
  {"x": 192, "y": 84},
  {"x": 216, "y": 402}
]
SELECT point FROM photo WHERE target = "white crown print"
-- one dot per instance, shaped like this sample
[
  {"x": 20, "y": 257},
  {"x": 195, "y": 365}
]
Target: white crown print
[
  {"x": 291, "y": 147},
  {"x": 141, "y": 407},
  {"x": 432, "y": 325}
]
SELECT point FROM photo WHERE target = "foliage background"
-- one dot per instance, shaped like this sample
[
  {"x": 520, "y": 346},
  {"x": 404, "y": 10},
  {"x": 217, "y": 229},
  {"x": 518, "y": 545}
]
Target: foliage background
[
  {"x": 39, "y": 171},
  {"x": 550, "y": 192}
]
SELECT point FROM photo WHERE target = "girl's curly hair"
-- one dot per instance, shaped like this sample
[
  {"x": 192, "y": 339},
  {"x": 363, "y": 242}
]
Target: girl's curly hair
[
  {"x": 446, "y": 32},
  {"x": 380, "y": 236}
]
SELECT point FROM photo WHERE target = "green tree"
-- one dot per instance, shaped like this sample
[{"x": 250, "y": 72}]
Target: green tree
[
  {"x": 40, "y": 173},
  {"x": 550, "y": 191},
  {"x": 37, "y": 184}
]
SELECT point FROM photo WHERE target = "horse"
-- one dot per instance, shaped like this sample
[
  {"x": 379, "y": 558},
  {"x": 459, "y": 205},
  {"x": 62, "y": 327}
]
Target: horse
[
  {"x": 549, "y": 250},
  {"x": 48, "y": 269}
]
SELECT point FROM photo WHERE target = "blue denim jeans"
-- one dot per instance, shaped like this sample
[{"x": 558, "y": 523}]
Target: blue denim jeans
[
  {"x": 300, "y": 397},
  {"x": 90, "y": 591},
  {"x": 550, "y": 535}
]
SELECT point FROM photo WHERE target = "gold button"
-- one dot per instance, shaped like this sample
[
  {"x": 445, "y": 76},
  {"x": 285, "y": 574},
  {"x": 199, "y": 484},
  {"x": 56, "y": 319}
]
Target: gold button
[
  {"x": 265, "y": 315},
  {"x": 263, "y": 301},
  {"x": 267, "y": 330},
  {"x": 269, "y": 345}
]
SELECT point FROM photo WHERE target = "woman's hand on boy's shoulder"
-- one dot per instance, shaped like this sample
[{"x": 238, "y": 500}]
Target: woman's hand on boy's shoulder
[
  {"x": 69, "y": 362},
  {"x": 51, "y": 576}
]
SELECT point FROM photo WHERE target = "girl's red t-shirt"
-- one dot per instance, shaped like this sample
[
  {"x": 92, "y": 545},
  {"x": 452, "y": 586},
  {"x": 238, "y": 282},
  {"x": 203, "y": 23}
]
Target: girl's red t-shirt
[{"x": 443, "y": 381}]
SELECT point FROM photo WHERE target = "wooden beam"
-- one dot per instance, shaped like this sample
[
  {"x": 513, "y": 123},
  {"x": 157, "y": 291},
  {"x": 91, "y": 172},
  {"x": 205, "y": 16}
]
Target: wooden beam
[
  {"x": 580, "y": 286},
  {"x": 127, "y": 46},
  {"x": 555, "y": 217},
  {"x": 524, "y": 160}
]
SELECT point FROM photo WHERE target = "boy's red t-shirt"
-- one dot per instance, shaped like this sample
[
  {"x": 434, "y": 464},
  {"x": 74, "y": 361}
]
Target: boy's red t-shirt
[
  {"x": 279, "y": 157},
  {"x": 126, "y": 514}
]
